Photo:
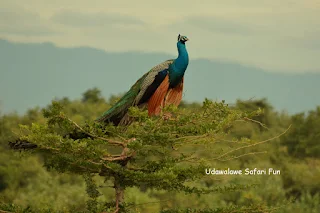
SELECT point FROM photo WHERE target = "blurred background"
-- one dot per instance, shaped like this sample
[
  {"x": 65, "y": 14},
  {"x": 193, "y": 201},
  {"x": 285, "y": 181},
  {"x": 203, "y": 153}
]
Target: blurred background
[{"x": 86, "y": 54}]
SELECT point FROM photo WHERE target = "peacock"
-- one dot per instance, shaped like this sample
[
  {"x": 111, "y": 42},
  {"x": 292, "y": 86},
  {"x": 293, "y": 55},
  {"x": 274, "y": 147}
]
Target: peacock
[{"x": 161, "y": 86}]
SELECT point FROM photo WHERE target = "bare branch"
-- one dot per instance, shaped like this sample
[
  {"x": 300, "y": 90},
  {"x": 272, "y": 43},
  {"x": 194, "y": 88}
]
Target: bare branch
[
  {"x": 255, "y": 144},
  {"x": 239, "y": 156},
  {"x": 255, "y": 121},
  {"x": 122, "y": 157},
  {"x": 230, "y": 141}
]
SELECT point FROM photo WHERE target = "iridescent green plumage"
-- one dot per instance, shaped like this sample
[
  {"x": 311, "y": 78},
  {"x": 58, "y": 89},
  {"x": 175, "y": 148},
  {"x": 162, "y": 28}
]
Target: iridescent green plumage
[{"x": 117, "y": 112}]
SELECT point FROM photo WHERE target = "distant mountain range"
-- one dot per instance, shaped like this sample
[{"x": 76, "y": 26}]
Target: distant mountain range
[{"x": 33, "y": 74}]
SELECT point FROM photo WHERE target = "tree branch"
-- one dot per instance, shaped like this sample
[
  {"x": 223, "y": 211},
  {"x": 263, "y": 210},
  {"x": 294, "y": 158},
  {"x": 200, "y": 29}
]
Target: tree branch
[
  {"x": 239, "y": 156},
  {"x": 255, "y": 144},
  {"x": 255, "y": 121},
  {"x": 112, "y": 142}
]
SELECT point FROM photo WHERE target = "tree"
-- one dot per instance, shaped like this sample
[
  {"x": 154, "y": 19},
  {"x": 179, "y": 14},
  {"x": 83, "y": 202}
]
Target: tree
[
  {"x": 92, "y": 95},
  {"x": 303, "y": 139},
  {"x": 261, "y": 104},
  {"x": 152, "y": 153}
]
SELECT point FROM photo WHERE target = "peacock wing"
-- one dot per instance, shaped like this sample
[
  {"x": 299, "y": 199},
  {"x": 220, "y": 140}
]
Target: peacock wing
[{"x": 152, "y": 81}]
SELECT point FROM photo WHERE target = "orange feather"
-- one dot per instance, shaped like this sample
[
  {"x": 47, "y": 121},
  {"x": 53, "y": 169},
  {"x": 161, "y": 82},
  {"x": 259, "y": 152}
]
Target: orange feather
[
  {"x": 156, "y": 101},
  {"x": 174, "y": 95}
]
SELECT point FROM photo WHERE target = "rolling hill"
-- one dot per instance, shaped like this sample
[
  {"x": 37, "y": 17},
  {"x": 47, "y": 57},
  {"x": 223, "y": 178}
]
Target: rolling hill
[{"x": 33, "y": 74}]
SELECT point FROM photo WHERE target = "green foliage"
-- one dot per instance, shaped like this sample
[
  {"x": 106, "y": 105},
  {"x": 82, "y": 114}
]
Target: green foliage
[
  {"x": 303, "y": 139},
  {"x": 92, "y": 95},
  {"x": 253, "y": 105},
  {"x": 159, "y": 164},
  {"x": 231, "y": 209}
]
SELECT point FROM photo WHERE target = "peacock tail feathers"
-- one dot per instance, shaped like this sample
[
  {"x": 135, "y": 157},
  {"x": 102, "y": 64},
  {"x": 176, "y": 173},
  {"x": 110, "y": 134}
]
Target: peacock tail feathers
[{"x": 118, "y": 110}]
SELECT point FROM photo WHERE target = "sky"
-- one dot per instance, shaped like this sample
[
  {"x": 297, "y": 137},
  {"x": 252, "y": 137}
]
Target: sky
[{"x": 277, "y": 35}]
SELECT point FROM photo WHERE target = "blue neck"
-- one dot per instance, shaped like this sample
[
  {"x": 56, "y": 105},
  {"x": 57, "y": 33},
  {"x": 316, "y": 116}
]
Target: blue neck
[{"x": 180, "y": 65}]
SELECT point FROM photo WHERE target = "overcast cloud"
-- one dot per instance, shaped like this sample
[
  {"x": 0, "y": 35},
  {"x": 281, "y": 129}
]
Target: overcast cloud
[{"x": 276, "y": 35}]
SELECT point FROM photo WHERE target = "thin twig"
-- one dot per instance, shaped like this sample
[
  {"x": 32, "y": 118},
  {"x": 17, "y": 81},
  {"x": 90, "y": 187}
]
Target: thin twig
[
  {"x": 123, "y": 157},
  {"x": 117, "y": 208},
  {"x": 255, "y": 121},
  {"x": 95, "y": 163},
  {"x": 191, "y": 136},
  {"x": 255, "y": 144},
  {"x": 229, "y": 141},
  {"x": 95, "y": 136},
  {"x": 239, "y": 156}
]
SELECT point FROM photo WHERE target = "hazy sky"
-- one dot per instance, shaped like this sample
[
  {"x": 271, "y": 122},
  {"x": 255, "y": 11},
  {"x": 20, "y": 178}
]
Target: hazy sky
[{"x": 272, "y": 34}]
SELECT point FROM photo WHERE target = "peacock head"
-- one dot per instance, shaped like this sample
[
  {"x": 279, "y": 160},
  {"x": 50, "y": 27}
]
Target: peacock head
[{"x": 182, "y": 38}]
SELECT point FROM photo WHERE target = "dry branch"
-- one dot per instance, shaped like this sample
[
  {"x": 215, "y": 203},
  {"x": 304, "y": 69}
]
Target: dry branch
[{"x": 255, "y": 144}]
